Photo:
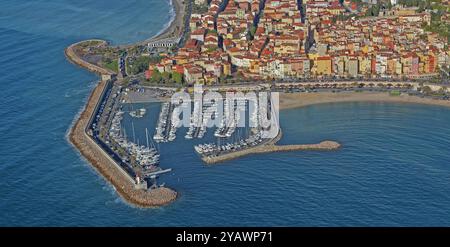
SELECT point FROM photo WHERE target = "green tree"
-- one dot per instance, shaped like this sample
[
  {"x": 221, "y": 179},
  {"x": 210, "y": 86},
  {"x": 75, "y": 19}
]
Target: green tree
[
  {"x": 252, "y": 31},
  {"x": 165, "y": 76},
  {"x": 156, "y": 76},
  {"x": 177, "y": 77},
  {"x": 139, "y": 65}
]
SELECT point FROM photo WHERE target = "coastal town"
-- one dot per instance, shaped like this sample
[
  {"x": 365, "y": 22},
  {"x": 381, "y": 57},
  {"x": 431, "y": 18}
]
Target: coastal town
[
  {"x": 332, "y": 51},
  {"x": 288, "y": 40}
]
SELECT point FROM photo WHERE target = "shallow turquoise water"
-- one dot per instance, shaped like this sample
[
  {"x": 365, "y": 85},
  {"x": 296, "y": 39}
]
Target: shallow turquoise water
[{"x": 393, "y": 168}]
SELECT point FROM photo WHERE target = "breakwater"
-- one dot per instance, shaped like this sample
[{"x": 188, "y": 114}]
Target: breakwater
[
  {"x": 100, "y": 160},
  {"x": 75, "y": 59},
  {"x": 271, "y": 147},
  {"x": 107, "y": 167}
]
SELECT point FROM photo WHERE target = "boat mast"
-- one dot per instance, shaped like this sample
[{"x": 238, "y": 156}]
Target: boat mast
[
  {"x": 146, "y": 135},
  {"x": 124, "y": 133},
  {"x": 134, "y": 134}
]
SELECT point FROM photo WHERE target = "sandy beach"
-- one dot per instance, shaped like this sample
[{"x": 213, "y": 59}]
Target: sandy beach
[
  {"x": 176, "y": 24},
  {"x": 295, "y": 100}
]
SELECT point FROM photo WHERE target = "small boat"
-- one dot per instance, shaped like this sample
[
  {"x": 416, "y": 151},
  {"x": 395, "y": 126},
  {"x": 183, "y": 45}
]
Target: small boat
[{"x": 138, "y": 113}]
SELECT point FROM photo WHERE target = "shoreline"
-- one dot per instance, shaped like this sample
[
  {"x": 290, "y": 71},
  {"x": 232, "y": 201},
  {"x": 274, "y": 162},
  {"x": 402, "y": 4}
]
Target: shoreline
[
  {"x": 176, "y": 19},
  {"x": 170, "y": 29},
  {"x": 298, "y": 100}
]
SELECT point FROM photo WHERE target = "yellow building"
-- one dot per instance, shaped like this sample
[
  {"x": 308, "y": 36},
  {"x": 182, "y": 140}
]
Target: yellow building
[
  {"x": 336, "y": 10},
  {"x": 286, "y": 49},
  {"x": 226, "y": 68},
  {"x": 365, "y": 49},
  {"x": 365, "y": 65},
  {"x": 313, "y": 56},
  {"x": 323, "y": 66},
  {"x": 254, "y": 67},
  {"x": 405, "y": 11}
]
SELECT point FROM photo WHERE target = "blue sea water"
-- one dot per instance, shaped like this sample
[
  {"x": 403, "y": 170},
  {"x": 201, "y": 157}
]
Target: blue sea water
[{"x": 393, "y": 169}]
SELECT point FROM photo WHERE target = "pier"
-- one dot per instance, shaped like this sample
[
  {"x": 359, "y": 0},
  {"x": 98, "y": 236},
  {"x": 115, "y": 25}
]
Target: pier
[{"x": 165, "y": 129}]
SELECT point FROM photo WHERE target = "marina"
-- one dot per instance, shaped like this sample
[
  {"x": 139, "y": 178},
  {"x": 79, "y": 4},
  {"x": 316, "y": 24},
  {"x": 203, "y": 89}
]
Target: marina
[
  {"x": 231, "y": 136},
  {"x": 143, "y": 158}
]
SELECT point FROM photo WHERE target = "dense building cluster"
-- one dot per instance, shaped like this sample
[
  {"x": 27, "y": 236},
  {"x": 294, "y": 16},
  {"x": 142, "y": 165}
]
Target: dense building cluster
[
  {"x": 393, "y": 46},
  {"x": 267, "y": 39}
]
